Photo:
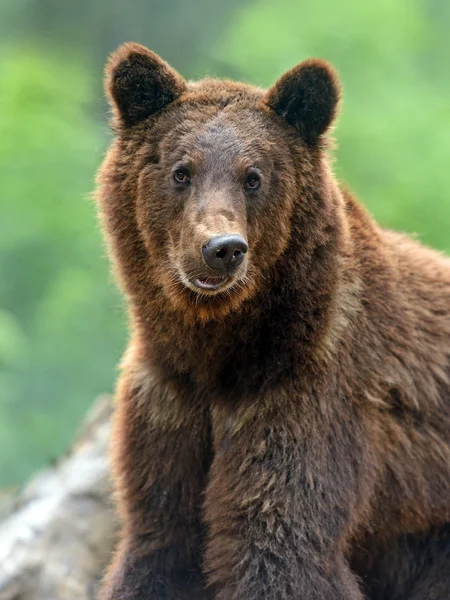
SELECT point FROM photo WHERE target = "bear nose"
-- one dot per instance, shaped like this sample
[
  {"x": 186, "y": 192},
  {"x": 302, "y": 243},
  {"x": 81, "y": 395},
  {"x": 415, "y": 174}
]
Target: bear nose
[{"x": 225, "y": 252}]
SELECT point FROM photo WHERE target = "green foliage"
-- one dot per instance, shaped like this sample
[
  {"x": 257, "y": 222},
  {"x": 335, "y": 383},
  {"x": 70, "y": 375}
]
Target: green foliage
[{"x": 60, "y": 324}]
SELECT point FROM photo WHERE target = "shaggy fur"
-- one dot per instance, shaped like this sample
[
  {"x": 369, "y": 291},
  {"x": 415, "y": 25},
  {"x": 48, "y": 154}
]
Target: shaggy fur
[{"x": 287, "y": 436}]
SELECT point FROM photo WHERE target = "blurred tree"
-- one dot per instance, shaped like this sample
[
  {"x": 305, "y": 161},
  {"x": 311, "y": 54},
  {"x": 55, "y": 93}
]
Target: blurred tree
[
  {"x": 182, "y": 32},
  {"x": 60, "y": 326}
]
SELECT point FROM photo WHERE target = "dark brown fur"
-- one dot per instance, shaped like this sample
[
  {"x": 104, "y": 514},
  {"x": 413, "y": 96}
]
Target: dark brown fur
[{"x": 290, "y": 436}]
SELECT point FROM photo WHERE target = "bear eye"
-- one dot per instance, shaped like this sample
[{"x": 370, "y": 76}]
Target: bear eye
[
  {"x": 182, "y": 175},
  {"x": 252, "y": 181}
]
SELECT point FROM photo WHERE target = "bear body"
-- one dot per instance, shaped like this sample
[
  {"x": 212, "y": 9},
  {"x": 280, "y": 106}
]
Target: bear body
[{"x": 282, "y": 427}]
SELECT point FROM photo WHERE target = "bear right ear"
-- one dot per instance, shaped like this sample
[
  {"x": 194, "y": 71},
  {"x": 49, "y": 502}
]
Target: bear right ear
[{"x": 139, "y": 83}]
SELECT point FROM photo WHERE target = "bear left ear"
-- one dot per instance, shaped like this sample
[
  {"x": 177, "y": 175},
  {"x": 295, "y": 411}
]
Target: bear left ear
[
  {"x": 139, "y": 83},
  {"x": 307, "y": 96}
]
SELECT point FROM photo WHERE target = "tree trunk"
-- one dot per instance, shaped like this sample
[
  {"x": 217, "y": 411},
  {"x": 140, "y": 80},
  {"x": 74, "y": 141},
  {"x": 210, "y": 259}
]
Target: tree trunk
[{"x": 59, "y": 532}]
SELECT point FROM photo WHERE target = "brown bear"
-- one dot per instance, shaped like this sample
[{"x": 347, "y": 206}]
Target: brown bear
[{"x": 282, "y": 427}]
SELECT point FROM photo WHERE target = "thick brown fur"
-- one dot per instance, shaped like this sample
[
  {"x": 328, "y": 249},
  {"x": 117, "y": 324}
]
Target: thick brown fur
[{"x": 289, "y": 436}]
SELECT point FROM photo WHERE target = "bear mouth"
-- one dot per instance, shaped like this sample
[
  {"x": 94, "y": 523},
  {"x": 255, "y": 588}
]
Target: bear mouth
[
  {"x": 210, "y": 283},
  {"x": 213, "y": 284}
]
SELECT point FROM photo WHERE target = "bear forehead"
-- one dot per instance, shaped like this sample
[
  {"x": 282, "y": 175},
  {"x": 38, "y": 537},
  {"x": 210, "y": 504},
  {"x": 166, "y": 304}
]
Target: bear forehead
[
  {"x": 221, "y": 119},
  {"x": 222, "y": 91},
  {"x": 220, "y": 140}
]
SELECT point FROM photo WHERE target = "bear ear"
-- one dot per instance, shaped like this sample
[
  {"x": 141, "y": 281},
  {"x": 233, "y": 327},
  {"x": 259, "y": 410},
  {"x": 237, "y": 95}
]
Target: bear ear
[
  {"x": 307, "y": 96},
  {"x": 139, "y": 83}
]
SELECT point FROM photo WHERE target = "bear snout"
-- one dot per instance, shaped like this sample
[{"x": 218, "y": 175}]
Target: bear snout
[{"x": 225, "y": 253}]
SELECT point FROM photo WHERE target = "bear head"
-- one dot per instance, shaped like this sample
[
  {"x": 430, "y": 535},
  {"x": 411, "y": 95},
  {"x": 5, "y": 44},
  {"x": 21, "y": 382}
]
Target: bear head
[{"x": 208, "y": 182}]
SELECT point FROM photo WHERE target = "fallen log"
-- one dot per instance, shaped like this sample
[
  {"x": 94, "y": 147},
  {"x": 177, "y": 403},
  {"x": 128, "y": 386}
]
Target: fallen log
[{"x": 58, "y": 533}]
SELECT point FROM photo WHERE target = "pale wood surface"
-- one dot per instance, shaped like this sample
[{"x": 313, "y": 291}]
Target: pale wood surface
[{"x": 57, "y": 534}]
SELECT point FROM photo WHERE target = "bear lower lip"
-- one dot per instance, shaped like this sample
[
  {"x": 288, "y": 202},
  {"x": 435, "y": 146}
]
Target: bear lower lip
[{"x": 210, "y": 283}]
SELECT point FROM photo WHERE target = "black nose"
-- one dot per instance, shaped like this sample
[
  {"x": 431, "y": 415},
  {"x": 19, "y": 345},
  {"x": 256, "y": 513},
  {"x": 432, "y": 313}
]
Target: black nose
[{"x": 225, "y": 252}]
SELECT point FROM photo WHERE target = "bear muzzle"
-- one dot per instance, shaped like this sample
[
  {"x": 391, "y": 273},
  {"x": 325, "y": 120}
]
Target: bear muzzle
[{"x": 224, "y": 254}]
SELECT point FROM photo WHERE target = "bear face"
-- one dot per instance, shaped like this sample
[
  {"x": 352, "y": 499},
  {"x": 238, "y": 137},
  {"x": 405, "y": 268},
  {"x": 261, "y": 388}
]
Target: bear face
[{"x": 215, "y": 189}]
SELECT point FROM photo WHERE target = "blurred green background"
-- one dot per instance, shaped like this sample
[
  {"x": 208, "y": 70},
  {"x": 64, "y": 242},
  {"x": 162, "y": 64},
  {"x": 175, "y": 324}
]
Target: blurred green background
[{"x": 62, "y": 324}]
